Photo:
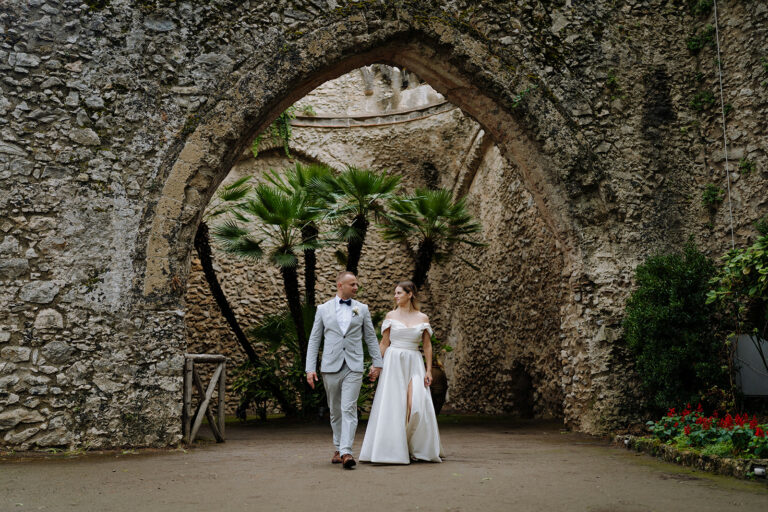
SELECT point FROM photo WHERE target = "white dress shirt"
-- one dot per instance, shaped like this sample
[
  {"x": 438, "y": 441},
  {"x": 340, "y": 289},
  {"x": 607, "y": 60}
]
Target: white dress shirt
[{"x": 343, "y": 315}]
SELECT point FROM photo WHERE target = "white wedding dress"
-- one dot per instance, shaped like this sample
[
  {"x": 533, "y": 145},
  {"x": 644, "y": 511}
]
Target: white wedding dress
[{"x": 392, "y": 437}]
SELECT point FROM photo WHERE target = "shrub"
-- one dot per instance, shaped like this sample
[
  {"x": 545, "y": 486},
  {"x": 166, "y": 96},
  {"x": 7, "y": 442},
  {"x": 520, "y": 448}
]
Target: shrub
[
  {"x": 280, "y": 366},
  {"x": 740, "y": 289},
  {"x": 671, "y": 330}
]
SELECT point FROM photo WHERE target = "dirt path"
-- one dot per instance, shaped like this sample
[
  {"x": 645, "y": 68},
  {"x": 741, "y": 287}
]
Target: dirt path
[{"x": 500, "y": 466}]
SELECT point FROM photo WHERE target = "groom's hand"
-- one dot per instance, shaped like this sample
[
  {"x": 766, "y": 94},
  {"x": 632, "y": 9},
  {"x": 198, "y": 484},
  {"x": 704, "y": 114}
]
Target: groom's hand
[
  {"x": 311, "y": 379},
  {"x": 374, "y": 373}
]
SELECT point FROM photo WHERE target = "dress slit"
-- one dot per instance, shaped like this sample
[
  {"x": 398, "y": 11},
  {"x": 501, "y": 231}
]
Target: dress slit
[{"x": 409, "y": 402}]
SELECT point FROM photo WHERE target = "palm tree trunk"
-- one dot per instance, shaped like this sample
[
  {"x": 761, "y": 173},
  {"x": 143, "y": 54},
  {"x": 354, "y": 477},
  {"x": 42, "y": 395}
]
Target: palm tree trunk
[
  {"x": 309, "y": 233},
  {"x": 291, "y": 284},
  {"x": 355, "y": 245},
  {"x": 424, "y": 256},
  {"x": 203, "y": 248}
]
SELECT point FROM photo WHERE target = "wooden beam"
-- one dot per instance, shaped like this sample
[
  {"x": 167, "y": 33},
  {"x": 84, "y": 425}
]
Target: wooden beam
[
  {"x": 222, "y": 398},
  {"x": 206, "y": 358},
  {"x": 204, "y": 404},
  {"x": 208, "y": 414},
  {"x": 187, "y": 403}
]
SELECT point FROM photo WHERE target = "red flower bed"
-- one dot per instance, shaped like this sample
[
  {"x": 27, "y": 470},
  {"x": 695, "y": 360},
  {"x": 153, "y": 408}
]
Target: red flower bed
[{"x": 693, "y": 428}]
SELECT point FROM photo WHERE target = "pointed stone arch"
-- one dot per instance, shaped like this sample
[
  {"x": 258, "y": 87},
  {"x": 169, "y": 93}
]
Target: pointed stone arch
[{"x": 532, "y": 132}]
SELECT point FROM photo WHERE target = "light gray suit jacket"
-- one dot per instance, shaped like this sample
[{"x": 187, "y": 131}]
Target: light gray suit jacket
[{"x": 342, "y": 346}]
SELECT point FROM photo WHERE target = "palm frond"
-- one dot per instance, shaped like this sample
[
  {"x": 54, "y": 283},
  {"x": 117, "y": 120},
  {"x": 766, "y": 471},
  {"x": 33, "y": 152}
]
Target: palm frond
[
  {"x": 358, "y": 192},
  {"x": 284, "y": 259},
  {"x": 229, "y": 231},
  {"x": 235, "y": 239},
  {"x": 248, "y": 248},
  {"x": 275, "y": 331},
  {"x": 341, "y": 257},
  {"x": 345, "y": 233},
  {"x": 235, "y": 191}
]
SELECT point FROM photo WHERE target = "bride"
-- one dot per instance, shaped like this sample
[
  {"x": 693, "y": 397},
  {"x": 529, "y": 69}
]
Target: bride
[{"x": 403, "y": 425}]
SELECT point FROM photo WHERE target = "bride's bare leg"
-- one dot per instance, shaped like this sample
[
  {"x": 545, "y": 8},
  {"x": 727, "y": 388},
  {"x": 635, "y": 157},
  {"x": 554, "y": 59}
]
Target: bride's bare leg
[{"x": 409, "y": 401}]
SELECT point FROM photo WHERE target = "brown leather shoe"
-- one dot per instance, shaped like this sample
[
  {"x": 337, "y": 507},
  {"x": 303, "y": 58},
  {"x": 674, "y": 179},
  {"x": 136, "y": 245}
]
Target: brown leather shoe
[
  {"x": 348, "y": 461},
  {"x": 336, "y": 459}
]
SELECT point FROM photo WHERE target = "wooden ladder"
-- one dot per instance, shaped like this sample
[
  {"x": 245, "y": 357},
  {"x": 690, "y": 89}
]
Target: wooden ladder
[{"x": 192, "y": 378}]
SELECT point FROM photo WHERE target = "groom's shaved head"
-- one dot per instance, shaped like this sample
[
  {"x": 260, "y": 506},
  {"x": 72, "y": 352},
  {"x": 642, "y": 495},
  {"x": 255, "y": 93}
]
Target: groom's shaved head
[
  {"x": 343, "y": 274},
  {"x": 346, "y": 284}
]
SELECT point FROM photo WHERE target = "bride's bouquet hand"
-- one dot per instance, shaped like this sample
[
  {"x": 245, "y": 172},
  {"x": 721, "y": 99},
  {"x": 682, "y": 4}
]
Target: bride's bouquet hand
[{"x": 428, "y": 379}]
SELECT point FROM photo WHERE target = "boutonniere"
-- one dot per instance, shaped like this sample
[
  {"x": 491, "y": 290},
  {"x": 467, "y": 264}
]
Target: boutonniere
[{"x": 355, "y": 311}]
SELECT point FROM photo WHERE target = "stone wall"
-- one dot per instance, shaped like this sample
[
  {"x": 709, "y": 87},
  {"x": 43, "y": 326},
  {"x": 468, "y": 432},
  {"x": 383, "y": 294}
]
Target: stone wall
[{"x": 118, "y": 121}]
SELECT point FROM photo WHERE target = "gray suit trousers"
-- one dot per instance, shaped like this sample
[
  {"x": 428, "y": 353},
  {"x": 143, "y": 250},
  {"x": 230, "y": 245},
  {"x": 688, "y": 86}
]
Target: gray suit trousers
[{"x": 342, "y": 389}]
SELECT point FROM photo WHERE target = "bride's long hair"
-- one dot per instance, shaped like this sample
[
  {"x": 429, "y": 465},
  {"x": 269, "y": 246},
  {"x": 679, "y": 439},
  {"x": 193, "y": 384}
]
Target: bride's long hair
[{"x": 409, "y": 287}]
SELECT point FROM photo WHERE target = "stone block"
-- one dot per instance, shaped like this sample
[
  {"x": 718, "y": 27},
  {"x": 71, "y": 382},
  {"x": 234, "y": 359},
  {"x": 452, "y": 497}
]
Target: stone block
[
  {"x": 7, "y": 368},
  {"x": 8, "y": 398},
  {"x": 16, "y": 354},
  {"x": 49, "y": 319},
  {"x": 57, "y": 351},
  {"x": 20, "y": 435},
  {"x": 11, "y": 268},
  {"x": 40, "y": 292},
  {"x": 12, "y": 417},
  {"x": 85, "y": 136},
  {"x": 57, "y": 437},
  {"x": 11, "y": 149},
  {"x": 10, "y": 246},
  {"x": 8, "y": 381}
]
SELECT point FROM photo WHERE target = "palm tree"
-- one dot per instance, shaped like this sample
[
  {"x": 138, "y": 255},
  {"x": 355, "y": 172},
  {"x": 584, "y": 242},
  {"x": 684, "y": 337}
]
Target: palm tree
[
  {"x": 353, "y": 197},
  {"x": 270, "y": 224},
  {"x": 226, "y": 198},
  {"x": 297, "y": 179},
  {"x": 434, "y": 223}
]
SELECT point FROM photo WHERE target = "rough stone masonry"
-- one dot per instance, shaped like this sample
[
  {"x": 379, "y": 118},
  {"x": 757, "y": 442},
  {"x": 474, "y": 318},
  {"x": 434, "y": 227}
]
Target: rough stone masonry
[{"x": 118, "y": 120}]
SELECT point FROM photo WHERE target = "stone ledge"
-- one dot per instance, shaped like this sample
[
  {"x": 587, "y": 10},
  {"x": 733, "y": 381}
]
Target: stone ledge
[{"x": 740, "y": 468}]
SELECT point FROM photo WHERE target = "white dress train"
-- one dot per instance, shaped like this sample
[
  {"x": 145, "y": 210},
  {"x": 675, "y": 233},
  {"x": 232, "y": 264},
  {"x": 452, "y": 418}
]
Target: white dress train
[{"x": 391, "y": 437}]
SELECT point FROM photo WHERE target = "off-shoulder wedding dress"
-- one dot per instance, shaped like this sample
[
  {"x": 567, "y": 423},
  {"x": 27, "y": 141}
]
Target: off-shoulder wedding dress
[{"x": 392, "y": 436}]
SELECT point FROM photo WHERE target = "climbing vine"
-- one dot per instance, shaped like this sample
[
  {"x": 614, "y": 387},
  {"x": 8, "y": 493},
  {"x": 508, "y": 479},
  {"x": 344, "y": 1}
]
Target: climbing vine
[{"x": 279, "y": 130}]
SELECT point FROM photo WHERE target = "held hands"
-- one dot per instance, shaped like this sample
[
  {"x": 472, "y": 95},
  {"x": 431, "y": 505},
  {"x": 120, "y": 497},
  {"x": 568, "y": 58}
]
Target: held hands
[
  {"x": 311, "y": 379},
  {"x": 373, "y": 373},
  {"x": 428, "y": 378}
]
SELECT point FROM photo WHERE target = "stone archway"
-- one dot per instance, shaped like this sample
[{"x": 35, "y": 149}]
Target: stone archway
[{"x": 209, "y": 152}]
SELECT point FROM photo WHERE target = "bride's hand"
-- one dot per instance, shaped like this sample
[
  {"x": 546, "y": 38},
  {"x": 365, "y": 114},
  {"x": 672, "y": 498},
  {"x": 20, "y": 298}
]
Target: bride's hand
[{"x": 428, "y": 379}]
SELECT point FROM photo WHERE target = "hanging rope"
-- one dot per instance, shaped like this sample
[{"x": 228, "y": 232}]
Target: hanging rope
[{"x": 725, "y": 136}]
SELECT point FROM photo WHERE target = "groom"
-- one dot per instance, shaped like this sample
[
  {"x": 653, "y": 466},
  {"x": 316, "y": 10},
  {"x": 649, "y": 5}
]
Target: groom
[{"x": 343, "y": 323}]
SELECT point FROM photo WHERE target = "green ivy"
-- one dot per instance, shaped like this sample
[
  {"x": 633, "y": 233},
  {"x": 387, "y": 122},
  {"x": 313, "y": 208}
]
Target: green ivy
[
  {"x": 712, "y": 195},
  {"x": 701, "y": 7},
  {"x": 308, "y": 110},
  {"x": 701, "y": 39},
  {"x": 702, "y": 100},
  {"x": 746, "y": 166},
  {"x": 280, "y": 131}
]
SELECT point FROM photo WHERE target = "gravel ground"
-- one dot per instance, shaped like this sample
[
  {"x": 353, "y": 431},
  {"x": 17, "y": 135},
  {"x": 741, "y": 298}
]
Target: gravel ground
[{"x": 497, "y": 465}]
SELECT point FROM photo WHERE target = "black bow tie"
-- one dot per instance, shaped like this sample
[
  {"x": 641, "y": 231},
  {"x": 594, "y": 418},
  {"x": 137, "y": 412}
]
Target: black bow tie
[{"x": 348, "y": 302}]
